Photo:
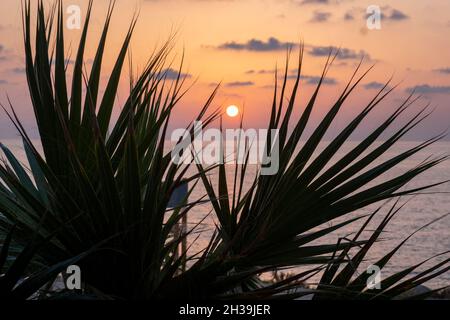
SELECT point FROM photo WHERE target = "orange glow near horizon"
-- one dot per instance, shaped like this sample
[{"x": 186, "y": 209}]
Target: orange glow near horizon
[{"x": 243, "y": 55}]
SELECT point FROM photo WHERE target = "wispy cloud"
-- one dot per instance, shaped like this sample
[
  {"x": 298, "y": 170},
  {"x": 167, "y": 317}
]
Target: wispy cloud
[
  {"x": 312, "y": 80},
  {"x": 262, "y": 71},
  {"x": 344, "y": 53},
  {"x": 374, "y": 85},
  {"x": 17, "y": 70},
  {"x": 319, "y": 2},
  {"x": 348, "y": 16},
  {"x": 172, "y": 74},
  {"x": 387, "y": 14},
  {"x": 443, "y": 70},
  {"x": 307, "y": 80},
  {"x": 320, "y": 16},
  {"x": 390, "y": 14},
  {"x": 305, "y": 2},
  {"x": 67, "y": 62},
  {"x": 240, "y": 84},
  {"x": 428, "y": 89},
  {"x": 3, "y": 53},
  {"x": 396, "y": 15},
  {"x": 272, "y": 44}
]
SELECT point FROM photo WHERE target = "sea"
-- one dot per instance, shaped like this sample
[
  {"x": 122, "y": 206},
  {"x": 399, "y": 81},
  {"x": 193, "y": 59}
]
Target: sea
[{"x": 419, "y": 210}]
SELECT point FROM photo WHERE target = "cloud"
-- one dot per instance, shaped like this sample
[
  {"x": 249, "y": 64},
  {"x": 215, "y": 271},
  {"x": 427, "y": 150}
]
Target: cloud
[
  {"x": 312, "y": 80},
  {"x": 304, "y": 2},
  {"x": 374, "y": 85},
  {"x": 390, "y": 14},
  {"x": 18, "y": 70},
  {"x": 240, "y": 84},
  {"x": 3, "y": 52},
  {"x": 348, "y": 16},
  {"x": 427, "y": 89},
  {"x": 443, "y": 70},
  {"x": 262, "y": 71},
  {"x": 307, "y": 80},
  {"x": 319, "y": 2},
  {"x": 387, "y": 14},
  {"x": 397, "y": 15},
  {"x": 172, "y": 74},
  {"x": 344, "y": 53},
  {"x": 320, "y": 16},
  {"x": 272, "y": 44}
]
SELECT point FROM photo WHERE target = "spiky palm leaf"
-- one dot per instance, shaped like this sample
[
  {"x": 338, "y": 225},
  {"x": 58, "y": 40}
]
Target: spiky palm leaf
[
  {"x": 277, "y": 218},
  {"x": 117, "y": 186},
  {"x": 15, "y": 281},
  {"x": 343, "y": 280},
  {"x": 103, "y": 186}
]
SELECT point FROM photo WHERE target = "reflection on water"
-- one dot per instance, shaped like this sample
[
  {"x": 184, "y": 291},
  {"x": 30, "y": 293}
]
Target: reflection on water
[{"x": 419, "y": 211}]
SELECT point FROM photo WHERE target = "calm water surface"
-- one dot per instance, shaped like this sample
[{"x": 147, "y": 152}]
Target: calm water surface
[{"x": 419, "y": 211}]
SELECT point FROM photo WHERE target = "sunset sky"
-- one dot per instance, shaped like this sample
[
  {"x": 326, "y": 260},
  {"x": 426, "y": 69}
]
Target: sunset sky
[{"x": 240, "y": 42}]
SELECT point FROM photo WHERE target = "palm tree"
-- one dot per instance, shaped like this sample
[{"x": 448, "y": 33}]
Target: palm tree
[{"x": 112, "y": 190}]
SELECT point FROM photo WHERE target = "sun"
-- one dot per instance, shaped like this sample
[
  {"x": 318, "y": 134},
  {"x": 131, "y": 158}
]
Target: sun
[{"x": 232, "y": 111}]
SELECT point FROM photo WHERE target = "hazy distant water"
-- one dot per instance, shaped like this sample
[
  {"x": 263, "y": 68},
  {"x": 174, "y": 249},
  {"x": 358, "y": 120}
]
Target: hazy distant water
[{"x": 419, "y": 211}]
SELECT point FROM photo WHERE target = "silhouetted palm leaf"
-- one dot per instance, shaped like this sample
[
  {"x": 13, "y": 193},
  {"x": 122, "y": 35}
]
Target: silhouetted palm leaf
[{"x": 114, "y": 188}]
